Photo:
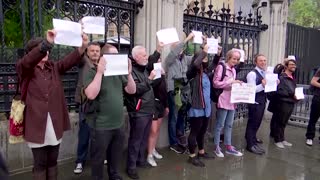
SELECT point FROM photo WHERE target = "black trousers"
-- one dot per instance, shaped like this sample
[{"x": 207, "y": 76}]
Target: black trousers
[
  {"x": 102, "y": 141},
  {"x": 314, "y": 116},
  {"x": 45, "y": 157},
  {"x": 281, "y": 117},
  {"x": 138, "y": 140},
  {"x": 198, "y": 127},
  {"x": 3, "y": 169},
  {"x": 256, "y": 112}
]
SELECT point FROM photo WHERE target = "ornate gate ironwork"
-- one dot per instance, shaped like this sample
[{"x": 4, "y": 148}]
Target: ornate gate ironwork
[
  {"x": 233, "y": 31},
  {"x": 21, "y": 20}
]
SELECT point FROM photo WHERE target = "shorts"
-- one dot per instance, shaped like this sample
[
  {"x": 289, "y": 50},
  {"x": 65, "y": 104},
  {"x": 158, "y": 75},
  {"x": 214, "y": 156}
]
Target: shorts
[{"x": 159, "y": 110}]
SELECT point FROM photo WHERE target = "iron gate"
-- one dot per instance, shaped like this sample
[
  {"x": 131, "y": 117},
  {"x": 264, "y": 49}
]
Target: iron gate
[
  {"x": 233, "y": 31},
  {"x": 21, "y": 20}
]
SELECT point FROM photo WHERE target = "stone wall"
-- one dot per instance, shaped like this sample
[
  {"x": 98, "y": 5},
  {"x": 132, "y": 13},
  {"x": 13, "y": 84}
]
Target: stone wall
[{"x": 19, "y": 156}]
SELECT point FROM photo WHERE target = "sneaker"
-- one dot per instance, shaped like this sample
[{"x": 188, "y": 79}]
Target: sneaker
[
  {"x": 105, "y": 162},
  {"x": 286, "y": 143},
  {"x": 151, "y": 161},
  {"x": 232, "y": 151},
  {"x": 196, "y": 161},
  {"x": 279, "y": 145},
  {"x": 156, "y": 154},
  {"x": 78, "y": 169},
  {"x": 176, "y": 148},
  {"x": 218, "y": 152},
  {"x": 309, "y": 142}
]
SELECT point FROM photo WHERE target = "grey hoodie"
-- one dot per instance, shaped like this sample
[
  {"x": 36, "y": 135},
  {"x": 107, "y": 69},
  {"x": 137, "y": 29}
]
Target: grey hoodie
[{"x": 175, "y": 68}]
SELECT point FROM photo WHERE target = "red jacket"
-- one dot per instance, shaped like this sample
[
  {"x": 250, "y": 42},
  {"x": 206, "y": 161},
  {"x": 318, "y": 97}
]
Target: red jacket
[{"x": 44, "y": 93}]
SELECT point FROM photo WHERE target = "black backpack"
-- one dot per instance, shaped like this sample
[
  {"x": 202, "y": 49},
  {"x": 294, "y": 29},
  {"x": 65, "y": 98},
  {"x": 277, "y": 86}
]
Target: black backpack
[{"x": 215, "y": 92}]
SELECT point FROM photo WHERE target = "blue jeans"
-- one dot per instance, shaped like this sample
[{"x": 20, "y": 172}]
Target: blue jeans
[
  {"x": 224, "y": 120},
  {"x": 174, "y": 124},
  {"x": 83, "y": 138}
]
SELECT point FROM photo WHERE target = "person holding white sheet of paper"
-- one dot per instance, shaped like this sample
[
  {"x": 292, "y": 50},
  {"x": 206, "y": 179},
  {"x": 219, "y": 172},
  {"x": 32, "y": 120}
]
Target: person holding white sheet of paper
[
  {"x": 256, "y": 111},
  {"x": 225, "y": 109},
  {"x": 46, "y": 111},
  {"x": 286, "y": 100},
  {"x": 140, "y": 108},
  {"x": 104, "y": 115},
  {"x": 176, "y": 66},
  {"x": 160, "y": 106}
]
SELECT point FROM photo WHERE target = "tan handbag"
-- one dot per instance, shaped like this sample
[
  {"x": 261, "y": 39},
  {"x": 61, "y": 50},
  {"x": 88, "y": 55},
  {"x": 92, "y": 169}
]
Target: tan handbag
[{"x": 16, "y": 119}]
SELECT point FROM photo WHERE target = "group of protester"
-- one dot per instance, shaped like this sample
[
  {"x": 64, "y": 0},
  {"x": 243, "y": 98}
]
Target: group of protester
[{"x": 188, "y": 88}]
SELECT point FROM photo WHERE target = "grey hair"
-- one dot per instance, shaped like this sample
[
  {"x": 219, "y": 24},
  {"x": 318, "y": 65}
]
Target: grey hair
[
  {"x": 230, "y": 54},
  {"x": 135, "y": 51}
]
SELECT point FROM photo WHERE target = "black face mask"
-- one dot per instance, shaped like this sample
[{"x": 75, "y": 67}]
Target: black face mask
[{"x": 205, "y": 65}]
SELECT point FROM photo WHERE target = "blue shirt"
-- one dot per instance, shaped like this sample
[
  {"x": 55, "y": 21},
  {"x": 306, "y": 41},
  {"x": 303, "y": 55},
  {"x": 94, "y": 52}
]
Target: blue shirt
[{"x": 193, "y": 112}]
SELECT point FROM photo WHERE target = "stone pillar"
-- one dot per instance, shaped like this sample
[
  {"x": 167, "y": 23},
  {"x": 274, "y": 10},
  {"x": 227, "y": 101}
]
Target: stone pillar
[
  {"x": 272, "y": 41},
  {"x": 156, "y": 15}
]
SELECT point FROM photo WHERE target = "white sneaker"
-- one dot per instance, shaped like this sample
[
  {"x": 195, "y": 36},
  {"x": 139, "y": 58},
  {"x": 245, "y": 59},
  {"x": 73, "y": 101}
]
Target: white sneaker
[
  {"x": 286, "y": 143},
  {"x": 78, "y": 169},
  {"x": 156, "y": 154},
  {"x": 218, "y": 152},
  {"x": 309, "y": 142},
  {"x": 105, "y": 162},
  {"x": 151, "y": 161},
  {"x": 279, "y": 145}
]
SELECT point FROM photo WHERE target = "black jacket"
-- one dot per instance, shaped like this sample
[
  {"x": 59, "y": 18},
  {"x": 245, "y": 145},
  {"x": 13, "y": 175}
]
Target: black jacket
[
  {"x": 286, "y": 89},
  {"x": 194, "y": 75},
  {"x": 144, "y": 93}
]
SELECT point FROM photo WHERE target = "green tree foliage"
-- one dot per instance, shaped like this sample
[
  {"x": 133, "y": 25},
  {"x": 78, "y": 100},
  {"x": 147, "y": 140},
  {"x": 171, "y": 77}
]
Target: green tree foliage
[
  {"x": 13, "y": 24},
  {"x": 305, "y": 13}
]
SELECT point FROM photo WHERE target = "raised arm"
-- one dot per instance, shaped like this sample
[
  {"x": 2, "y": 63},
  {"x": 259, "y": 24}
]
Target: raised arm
[{"x": 93, "y": 81}]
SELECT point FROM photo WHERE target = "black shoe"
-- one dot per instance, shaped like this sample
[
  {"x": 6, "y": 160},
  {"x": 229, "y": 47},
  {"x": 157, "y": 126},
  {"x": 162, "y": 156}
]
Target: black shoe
[
  {"x": 143, "y": 165},
  {"x": 132, "y": 173},
  {"x": 260, "y": 148},
  {"x": 254, "y": 150},
  {"x": 177, "y": 149},
  {"x": 206, "y": 156},
  {"x": 259, "y": 141},
  {"x": 196, "y": 161},
  {"x": 115, "y": 177}
]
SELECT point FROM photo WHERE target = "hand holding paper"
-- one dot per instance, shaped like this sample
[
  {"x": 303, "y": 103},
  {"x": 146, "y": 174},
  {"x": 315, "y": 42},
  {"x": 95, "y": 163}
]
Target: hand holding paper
[
  {"x": 93, "y": 25},
  {"x": 299, "y": 93},
  {"x": 68, "y": 32},
  {"x": 197, "y": 37},
  {"x": 157, "y": 67},
  {"x": 168, "y": 36},
  {"x": 272, "y": 83},
  {"x": 213, "y": 45},
  {"x": 117, "y": 64}
]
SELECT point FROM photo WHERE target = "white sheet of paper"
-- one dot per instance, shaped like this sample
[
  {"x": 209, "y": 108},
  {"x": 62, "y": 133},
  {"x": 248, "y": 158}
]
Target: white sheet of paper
[
  {"x": 213, "y": 45},
  {"x": 299, "y": 93},
  {"x": 241, "y": 53},
  {"x": 197, "y": 39},
  {"x": 168, "y": 36},
  {"x": 270, "y": 69},
  {"x": 68, "y": 32},
  {"x": 243, "y": 93},
  {"x": 271, "y": 82},
  {"x": 117, "y": 64},
  {"x": 157, "y": 67},
  {"x": 93, "y": 25}
]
